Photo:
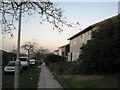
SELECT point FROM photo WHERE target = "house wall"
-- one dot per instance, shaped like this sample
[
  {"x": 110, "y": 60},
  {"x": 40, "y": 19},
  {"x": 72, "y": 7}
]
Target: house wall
[
  {"x": 63, "y": 51},
  {"x": 76, "y": 44},
  {"x": 60, "y": 52},
  {"x": 67, "y": 49},
  {"x": 56, "y": 52}
]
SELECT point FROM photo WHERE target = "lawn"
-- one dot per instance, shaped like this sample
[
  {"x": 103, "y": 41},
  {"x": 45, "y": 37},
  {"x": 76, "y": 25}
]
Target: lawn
[
  {"x": 28, "y": 78},
  {"x": 90, "y": 81}
]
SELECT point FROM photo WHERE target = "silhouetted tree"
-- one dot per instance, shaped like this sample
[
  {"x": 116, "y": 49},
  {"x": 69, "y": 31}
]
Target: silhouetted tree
[
  {"x": 101, "y": 53},
  {"x": 40, "y": 53},
  {"x": 30, "y": 47}
]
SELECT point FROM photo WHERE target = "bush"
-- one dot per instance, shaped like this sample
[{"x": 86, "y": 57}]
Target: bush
[
  {"x": 6, "y": 57},
  {"x": 53, "y": 59},
  {"x": 101, "y": 53}
]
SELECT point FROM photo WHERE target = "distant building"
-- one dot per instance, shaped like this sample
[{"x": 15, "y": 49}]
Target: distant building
[
  {"x": 63, "y": 50},
  {"x": 81, "y": 38},
  {"x": 56, "y": 52}
]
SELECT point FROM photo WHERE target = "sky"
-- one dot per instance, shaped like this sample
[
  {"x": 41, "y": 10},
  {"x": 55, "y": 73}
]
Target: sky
[{"x": 86, "y": 13}]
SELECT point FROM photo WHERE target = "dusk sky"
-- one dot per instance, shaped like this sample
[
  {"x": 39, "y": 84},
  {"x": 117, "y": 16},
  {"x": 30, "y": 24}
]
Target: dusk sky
[{"x": 86, "y": 13}]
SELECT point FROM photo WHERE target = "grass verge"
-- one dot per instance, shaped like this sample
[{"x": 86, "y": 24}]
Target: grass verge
[
  {"x": 90, "y": 81},
  {"x": 28, "y": 78}
]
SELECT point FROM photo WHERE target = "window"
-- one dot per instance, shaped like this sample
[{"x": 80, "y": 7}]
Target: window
[{"x": 63, "y": 53}]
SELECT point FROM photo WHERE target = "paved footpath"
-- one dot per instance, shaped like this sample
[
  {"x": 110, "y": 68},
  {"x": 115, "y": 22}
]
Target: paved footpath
[{"x": 46, "y": 79}]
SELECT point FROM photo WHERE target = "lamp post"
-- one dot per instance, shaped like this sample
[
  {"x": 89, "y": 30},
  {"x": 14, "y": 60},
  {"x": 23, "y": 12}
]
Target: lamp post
[
  {"x": 16, "y": 81},
  {"x": 3, "y": 42}
]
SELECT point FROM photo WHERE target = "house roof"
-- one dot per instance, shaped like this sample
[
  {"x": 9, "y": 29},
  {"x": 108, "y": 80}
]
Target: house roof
[
  {"x": 56, "y": 50},
  {"x": 64, "y": 45},
  {"x": 81, "y": 32},
  {"x": 2, "y": 51},
  {"x": 90, "y": 27}
]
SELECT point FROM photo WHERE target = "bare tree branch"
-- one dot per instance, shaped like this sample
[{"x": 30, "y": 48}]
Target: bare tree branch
[{"x": 46, "y": 9}]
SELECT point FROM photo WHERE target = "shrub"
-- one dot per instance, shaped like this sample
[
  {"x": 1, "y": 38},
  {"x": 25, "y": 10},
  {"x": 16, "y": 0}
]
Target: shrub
[{"x": 101, "y": 53}]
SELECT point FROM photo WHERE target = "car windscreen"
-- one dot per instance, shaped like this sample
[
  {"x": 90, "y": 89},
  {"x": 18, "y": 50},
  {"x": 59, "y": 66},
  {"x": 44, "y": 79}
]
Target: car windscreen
[
  {"x": 23, "y": 59},
  {"x": 11, "y": 64}
]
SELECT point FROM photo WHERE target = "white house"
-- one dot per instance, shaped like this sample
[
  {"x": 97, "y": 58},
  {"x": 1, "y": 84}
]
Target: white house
[{"x": 81, "y": 38}]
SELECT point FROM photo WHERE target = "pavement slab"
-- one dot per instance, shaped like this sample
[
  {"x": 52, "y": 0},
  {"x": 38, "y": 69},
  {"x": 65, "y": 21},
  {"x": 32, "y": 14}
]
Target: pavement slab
[{"x": 47, "y": 80}]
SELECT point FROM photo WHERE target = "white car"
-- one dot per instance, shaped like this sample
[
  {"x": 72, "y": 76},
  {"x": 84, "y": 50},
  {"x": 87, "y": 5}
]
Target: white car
[
  {"x": 24, "y": 62},
  {"x": 11, "y": 67},
  {"x": 32, "y": 61}
]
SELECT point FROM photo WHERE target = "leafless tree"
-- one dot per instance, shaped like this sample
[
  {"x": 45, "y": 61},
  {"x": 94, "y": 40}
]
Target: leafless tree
[
  {"x": 11, "y": 12},
  {"x": 46, "y": 9},
  {"x": 40, "y": 53},
  {"x": 30, "y": 47}
]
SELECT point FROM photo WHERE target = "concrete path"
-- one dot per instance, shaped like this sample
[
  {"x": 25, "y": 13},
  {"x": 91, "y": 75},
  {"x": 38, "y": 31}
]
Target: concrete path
[{"x": 46, "y": 79}]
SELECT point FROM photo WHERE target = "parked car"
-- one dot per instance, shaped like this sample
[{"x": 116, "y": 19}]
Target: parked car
[
  {"x": 10, "y": 67},
  {"x": 32, "y": 61},
  {"x": 24, "y": 62}
]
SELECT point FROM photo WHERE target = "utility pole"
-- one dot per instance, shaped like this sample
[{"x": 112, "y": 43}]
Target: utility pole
[
  {"x": 3, "y": 37},
  {"x": 17, "y": 64}
]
